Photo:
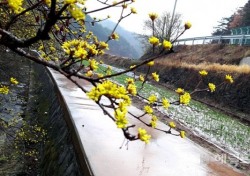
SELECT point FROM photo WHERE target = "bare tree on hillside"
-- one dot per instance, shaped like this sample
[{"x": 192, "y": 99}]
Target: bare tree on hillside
[{"x": 164, "y": 28}]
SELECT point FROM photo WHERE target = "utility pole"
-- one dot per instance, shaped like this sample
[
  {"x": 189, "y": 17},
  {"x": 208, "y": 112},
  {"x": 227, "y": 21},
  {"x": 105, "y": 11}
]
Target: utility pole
[{"x": 172, "y": 20}]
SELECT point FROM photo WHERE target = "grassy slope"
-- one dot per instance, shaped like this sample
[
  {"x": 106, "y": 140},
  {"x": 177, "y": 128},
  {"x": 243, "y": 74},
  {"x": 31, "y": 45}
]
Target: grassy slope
[
  {"x": 218, "y": 60},
  {"x": 200, "y": 120},
  {"x": 180, "y": 69}
]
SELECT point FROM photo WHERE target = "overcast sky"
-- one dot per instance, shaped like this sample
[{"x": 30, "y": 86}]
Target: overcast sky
[{"x": 203, "y": 14}]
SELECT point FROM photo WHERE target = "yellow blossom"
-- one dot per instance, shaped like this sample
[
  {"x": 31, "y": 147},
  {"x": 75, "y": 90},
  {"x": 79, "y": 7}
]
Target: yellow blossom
[
  {"x": 148, "y": 109},
  {"x": 188, "y": 25},
  {"x": 89, "y": 73},
  {"x": 121, "y": 120},
  {"x": 153, "y": 16},
  {"x": 141, "y": 78},
  {"x": 167, "y": 45},
  {"x": 151, "y": 63},
  {"x": 109, "y": 70},
  {"x": 56, "y": 27},
  {"x": 152, "y": 99},
  {"x": 180, "y": 91},
  {"x": 101, "y": 52},
  {"x": 182, "y": 134},
  {"x": 52, "y": 49},
  {"x": 4, "y": 89},
  {"x": 133, "y": 10},
  {"x": 132, "y": 66},
  {"x": 69, "y": 1},
  {"x": 172, "y": 124},
  {"x": 71, "y": 46},
  {"x": 203, "y": 73},
  {"x": 211, "y": 87},
  {"x": 185, "y": 98},
  {"x": 124, "y": 6},
  {"x": 131, "y": 88},
  {"x": 48, "y": 2},
  {"x": 123, "y": 106},
  {"x": 155, "y": 76},
  {"x": 16, "y": 5},
  {"x": 130, "y": 81},
  {"x": 103, "y": 45},
  {"x": 94, "y": 94},
  {"x": 114, "y": 36},
  {"x": 153, "y": 121},
  {"x": 100, "y": 75},
  {"x": 93, "y": 64},
  {"x": 80, "y": 52},
  {"x": 93, "y": 50},
  {"x": 13, "y": 80},
  {"x": 154, "y": 41},
  {"x": 165, "y": 103},
  {"x": 229, "y": 79},
  {"x": 76, "y": 12},
  {"x": 41, "y": 47},
  {"x": 111, "y": 90},
  {"x": 142, "y": 135}
]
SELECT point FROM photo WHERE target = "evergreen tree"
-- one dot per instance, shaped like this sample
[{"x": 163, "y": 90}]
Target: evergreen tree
[
  {"x": 246, "y": 15},
  {"x": 224, "y": 26}
]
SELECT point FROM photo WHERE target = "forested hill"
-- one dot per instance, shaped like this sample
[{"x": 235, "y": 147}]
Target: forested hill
[{"x": 122, "y": 47}]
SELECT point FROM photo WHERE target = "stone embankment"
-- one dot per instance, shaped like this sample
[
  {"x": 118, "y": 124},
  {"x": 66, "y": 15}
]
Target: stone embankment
[{"x": 35, "y": 101}]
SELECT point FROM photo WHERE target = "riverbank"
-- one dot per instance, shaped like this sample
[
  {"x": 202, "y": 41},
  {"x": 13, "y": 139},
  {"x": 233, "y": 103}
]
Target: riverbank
[
  {"x": 176, "y": 71},
  {"x": 34, "y": 136},
  {"x": 230, "y": 159},
  {"x": 17, "y": 158}
]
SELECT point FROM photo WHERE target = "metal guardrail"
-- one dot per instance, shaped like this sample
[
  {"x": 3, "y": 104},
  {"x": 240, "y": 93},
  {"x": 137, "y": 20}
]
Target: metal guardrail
[{"x": 229, "y": 39}]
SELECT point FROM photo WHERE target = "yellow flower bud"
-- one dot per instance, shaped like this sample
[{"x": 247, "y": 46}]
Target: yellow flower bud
[
  {"x": 172, "y": 124},
  {"x": 151, "y": 63},
  {"x": 182, "y": 134},
  {"x": 211, "y": 87},
  {"x": 133, "y": 10},
  {"x": 203, "y": 73},
  {"x": 153, "y": 16},
  {"x": 167, "y": 45},
  {"x": 229, "y": 79},
  {"x": 188, "y": 25}
]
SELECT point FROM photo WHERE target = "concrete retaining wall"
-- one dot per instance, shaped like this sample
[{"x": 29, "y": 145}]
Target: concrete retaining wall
[{"x": 58, "y": 154}]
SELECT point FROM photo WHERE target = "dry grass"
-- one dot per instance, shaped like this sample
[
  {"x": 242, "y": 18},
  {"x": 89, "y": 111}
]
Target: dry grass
[
  {"x": 211, "y": 57},
  {"x": 242, "y": 69}
]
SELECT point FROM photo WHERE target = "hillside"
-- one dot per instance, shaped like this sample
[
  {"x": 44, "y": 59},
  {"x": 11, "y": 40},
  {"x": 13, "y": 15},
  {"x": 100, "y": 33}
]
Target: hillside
[
  {"x": 130, "y": 37},
  {"x": 122, "y": 47},
  {"x": 180, "y": 69}
]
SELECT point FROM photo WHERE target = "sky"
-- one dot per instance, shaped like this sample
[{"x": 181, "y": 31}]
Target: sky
[{"x": 203, "y": 14}]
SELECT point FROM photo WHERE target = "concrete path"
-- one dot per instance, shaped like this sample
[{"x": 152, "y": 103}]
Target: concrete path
[{"x": 100, "y": 140}]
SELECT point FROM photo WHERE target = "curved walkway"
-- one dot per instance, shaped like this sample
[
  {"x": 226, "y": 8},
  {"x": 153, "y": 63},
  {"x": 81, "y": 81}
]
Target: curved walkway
[{"x": 99, "y": 141}]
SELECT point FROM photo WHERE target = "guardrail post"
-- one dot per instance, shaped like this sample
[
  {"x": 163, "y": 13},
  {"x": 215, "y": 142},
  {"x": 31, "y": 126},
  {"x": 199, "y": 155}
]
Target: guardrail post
[
  {"x": 242, "y": 40},
  {"x": 204, "y": 40},
  {"x": 219, "y": 41}
]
